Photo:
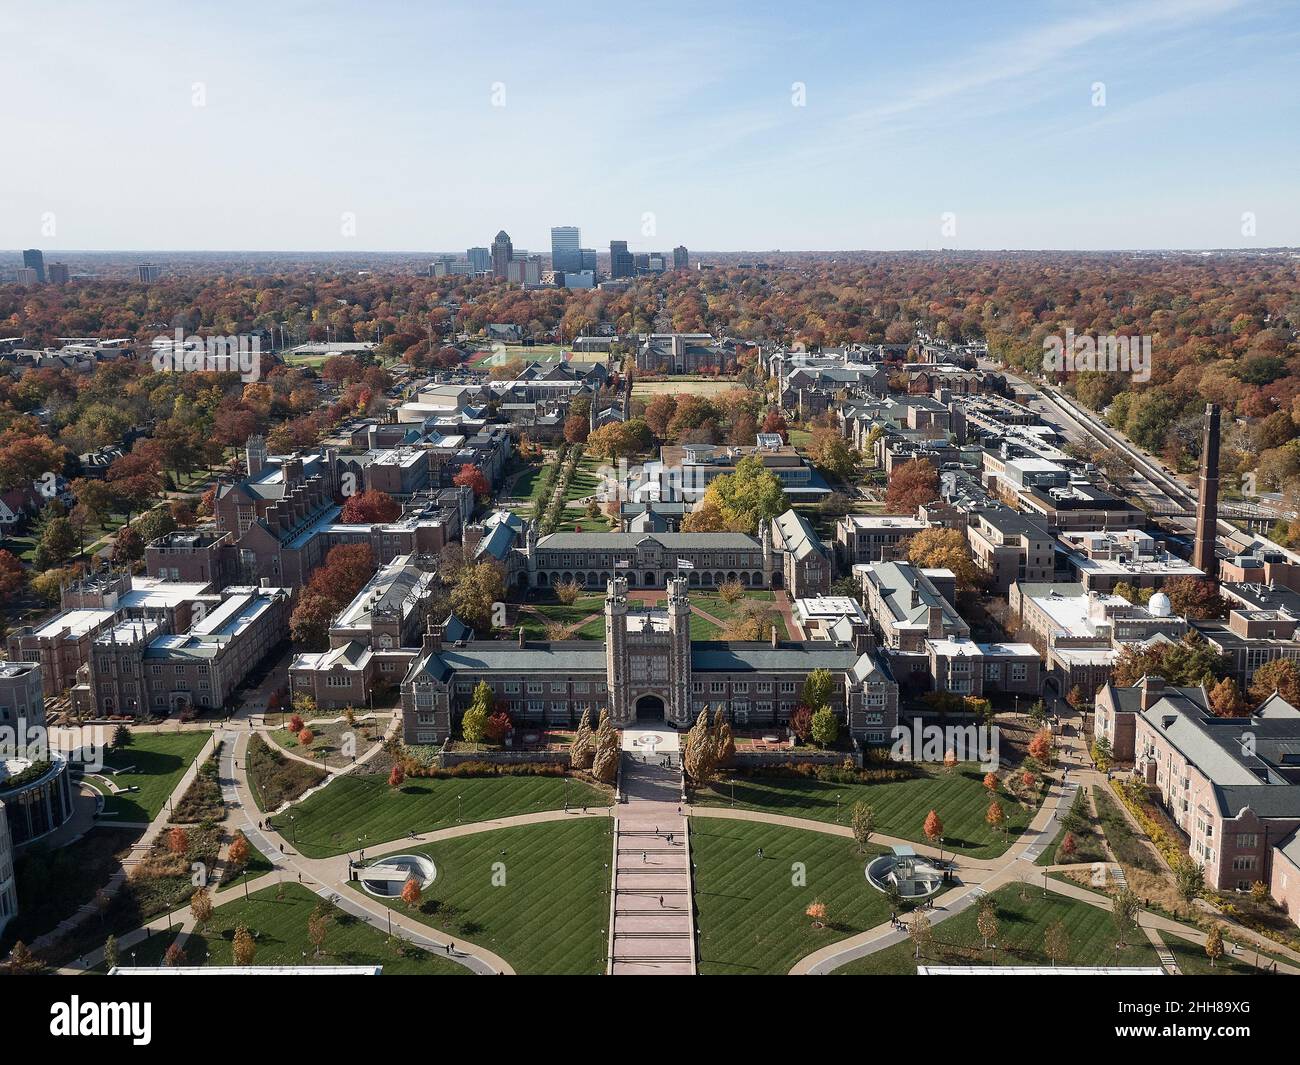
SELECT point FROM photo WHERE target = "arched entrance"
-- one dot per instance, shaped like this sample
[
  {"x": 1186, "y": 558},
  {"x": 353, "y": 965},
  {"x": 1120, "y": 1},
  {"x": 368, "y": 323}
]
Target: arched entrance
[{"x": 650, "y": 708}]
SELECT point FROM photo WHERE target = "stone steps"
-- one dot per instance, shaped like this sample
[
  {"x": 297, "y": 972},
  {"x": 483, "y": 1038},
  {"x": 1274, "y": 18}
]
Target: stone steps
[{"x": 648, "y": 938}]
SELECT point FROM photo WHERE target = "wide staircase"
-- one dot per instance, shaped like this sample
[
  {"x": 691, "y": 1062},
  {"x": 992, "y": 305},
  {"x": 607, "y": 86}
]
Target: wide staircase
[{"x": 654, "y": 924}]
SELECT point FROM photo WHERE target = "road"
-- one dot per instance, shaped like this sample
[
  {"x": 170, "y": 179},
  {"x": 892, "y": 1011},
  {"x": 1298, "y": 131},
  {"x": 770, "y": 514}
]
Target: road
[{"x": 1152, "y": 485}]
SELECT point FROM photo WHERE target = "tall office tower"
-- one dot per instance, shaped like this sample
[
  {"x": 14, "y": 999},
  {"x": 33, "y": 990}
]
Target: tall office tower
[
  {"x": 480, "y": 259},
  {"x": 641, "y": 262},
  {"x": 566, "y": 255},
  {"x": 588, "y": 259},
  {"x": 34, "y": 259},
  {"x": 681, "y": 258},
  {"x": 502, "y": 253},
  {"x": 58, "y": 273},
  {"x": 620, "y": 260},
  {"x": 148, "y": 273},
  {"x": 1207, "y": 506}
]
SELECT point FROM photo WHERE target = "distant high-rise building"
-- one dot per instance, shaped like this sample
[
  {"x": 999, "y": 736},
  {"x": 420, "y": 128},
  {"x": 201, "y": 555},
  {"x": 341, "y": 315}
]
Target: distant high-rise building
[
  {"x": 148, "y": 273},
  {"x": 25, "y": 275},
  {"x": 621, "y": 263},
  {"x": 480, "y": 259},
  {"x": 565, "y": 251},
  {"x": 525, "y": 271},
  {"x": 502, "y": 253},
  {"x": 58, "y": 273},
  {"x": 681, "y": 258},
  {"x": 34, "y": 259},
  {"x": 588, "y": 259}
]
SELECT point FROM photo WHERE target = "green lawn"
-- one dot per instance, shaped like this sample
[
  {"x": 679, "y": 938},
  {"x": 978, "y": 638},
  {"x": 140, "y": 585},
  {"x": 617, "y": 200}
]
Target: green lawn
[
  {"x": 583, "y": 483},
  {"x": 713, "y": 603},
  {"x": 157, "y": 761},
  {"x": 535, "y": 620},
  {"x": 537, "y": 895},
  {"x": 330, "y": 744},
  {"x": 1193, "y": 961},
  {"x": 577, "y": 521},
  {"x": 704, "y": 629},
  {"x": 900, "y": 807},
  {"x": 750, "y": 912},
  {"x": 526, "y": 483},
  {"x": 330, "y": 821},
  {"x": 1022, "y": 926},
  {"x": 280, "y": 928}
]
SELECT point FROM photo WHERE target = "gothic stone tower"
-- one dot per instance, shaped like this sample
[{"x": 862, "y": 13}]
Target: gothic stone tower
[
  {"x": 1207, "y": 506},
  {"x": 678, "y": 704},
  {"x": 621, "y": 711}
]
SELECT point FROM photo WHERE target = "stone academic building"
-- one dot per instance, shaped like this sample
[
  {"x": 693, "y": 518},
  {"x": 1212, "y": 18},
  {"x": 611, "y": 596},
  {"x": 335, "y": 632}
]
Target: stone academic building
[
  {"x": 646, "y": 671},
  {"x": 786, "y": 553}
]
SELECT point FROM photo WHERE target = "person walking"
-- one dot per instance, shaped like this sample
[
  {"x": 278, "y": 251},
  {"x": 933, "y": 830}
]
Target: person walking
[{"x": 643, "y": 857}]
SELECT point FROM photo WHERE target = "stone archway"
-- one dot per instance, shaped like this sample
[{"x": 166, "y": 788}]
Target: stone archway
[{"x": 650, "y": 710}]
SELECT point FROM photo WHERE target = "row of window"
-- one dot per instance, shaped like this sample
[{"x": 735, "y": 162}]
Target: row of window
[{"x": 715, "y": 687}]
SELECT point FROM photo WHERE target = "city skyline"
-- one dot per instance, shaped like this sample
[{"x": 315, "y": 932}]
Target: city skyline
[{"x": 1025, "y": 128}]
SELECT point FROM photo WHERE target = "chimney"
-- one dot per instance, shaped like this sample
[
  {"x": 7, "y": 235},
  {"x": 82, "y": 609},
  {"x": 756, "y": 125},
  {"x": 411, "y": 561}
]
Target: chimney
[
  {"x": 255, "y": 455},
  {"x": 432, "y": 636},
  {"x": 934, "y": 622},
  {"x": 1207, "y": 506},
  {"x": 1152, "y": 688}
]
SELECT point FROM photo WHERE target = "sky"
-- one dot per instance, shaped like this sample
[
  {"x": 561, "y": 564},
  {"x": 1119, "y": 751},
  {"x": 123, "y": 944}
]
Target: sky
[{"x": 723, "y": 126}]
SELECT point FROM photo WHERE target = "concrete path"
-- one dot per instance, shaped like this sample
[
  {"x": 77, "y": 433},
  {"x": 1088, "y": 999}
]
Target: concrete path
[{"x": 654, "y": 923}]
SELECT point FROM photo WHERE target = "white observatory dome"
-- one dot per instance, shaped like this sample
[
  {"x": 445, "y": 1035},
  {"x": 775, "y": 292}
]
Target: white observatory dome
[{"x": 1159, "y": 606}]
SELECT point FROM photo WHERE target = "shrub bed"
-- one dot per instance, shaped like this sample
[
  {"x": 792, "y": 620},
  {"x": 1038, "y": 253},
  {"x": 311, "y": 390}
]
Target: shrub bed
[
  {"x": 202, "y": 800},
  {"x": 832, "y": 774},
  {"x": 1128, "y": 848},
  {"x": 276, "y": 779},
  {"x": 414, "y": 768}
]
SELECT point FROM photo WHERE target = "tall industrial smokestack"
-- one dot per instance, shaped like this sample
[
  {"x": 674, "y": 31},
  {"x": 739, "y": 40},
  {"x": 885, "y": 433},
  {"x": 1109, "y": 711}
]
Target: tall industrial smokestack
[{"x": 1207, "y": 507}]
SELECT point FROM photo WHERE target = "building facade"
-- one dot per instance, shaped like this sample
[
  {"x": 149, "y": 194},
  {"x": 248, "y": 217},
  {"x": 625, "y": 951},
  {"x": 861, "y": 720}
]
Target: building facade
[{"x": 647, "y": 670}]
